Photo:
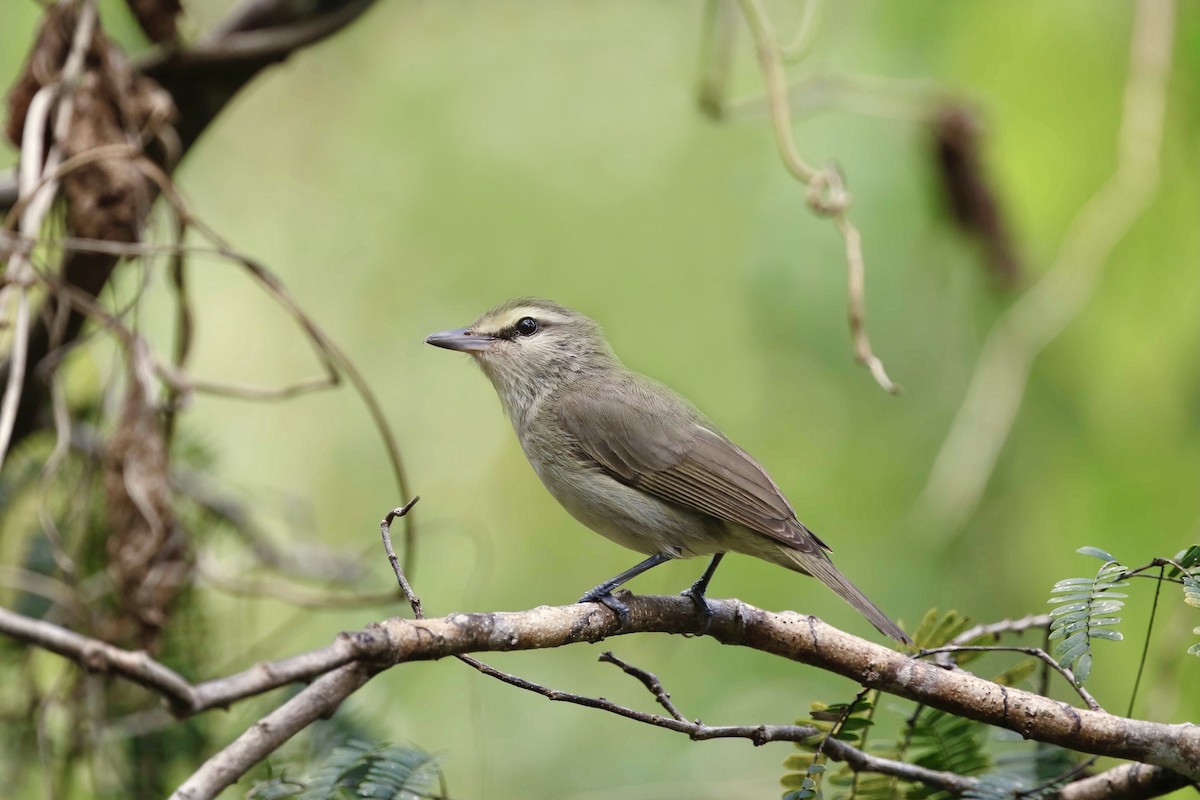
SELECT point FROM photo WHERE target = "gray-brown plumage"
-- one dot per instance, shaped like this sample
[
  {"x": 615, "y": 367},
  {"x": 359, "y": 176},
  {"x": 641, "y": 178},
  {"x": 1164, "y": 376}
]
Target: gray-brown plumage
[{"x": 631, "y": 459}]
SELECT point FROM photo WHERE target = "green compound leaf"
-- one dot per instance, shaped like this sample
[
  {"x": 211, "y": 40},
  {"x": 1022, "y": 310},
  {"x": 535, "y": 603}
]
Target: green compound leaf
[{"x": 1086, "y": 610}]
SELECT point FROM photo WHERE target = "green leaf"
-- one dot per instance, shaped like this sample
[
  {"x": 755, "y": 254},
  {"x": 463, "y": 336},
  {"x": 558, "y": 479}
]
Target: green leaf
[
  {"x": 1105, "y": 606},
  {"x": 1082, "y": 668},
  {"x": 938, "y": 629},
  {"x": 1068, "y": 583},
  {"x": 1070, "y": 598},
  {"x": 380, "y": 772},
  {"x": 1191, "y": 588},
  {"x": 1096, "y": 552},
  {"x": 856, "y": 724},
  {"x": 1086, "y": 610},
  {"x": 1067, "y": 626},
  {"x": 798, "y": 762},
  {"x": 1017, "y": 672},
  {"x": 1067, "y": 658},
  {"x": 1070, "y": 608},
  {"x": 1191, "y": 558}
]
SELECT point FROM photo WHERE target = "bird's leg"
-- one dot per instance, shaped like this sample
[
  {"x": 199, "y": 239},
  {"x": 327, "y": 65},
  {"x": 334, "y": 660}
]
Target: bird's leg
[
  {"x": 603, "y": 592},
  {"x": 696, "y": 590}
]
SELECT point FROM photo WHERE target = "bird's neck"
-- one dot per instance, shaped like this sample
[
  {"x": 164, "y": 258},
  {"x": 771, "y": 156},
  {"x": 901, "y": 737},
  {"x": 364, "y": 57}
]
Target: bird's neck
[
  {"x": 523, "y": 398},
  {"x": 522, "y": 401}
]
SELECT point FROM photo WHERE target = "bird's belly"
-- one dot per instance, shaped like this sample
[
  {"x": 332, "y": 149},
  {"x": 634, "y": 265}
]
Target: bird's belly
[{"x": 631, "y": 517}]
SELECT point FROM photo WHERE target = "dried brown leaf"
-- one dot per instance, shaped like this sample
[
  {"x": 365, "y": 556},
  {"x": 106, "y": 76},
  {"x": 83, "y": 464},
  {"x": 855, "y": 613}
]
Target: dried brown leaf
[
  {"x": 158, "y": 19},
  {"x": 149, "y": 558},
  {"x": 969, "y": 190}
]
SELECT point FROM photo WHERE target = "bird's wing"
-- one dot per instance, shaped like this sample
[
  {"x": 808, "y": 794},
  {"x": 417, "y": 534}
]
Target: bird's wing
[{"x": 647, "y": 437}]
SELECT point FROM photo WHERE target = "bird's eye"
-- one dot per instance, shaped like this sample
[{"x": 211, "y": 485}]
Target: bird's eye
[{"x": 526, "y": 326}]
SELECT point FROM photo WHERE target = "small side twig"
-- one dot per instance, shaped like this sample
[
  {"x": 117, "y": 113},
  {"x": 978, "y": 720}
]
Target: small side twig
[
  {"x": 1036, "y": 652},
  {"x": 385, "y": 528},
  {"x": 648, "y": 679},
  {"x": 998, "y": 629}
]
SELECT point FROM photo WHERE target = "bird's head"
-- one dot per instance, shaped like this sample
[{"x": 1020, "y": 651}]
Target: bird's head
[{"x": 529, "y": 347}]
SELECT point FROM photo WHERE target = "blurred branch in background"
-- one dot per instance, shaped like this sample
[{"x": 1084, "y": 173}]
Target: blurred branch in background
[
  {"x": 968, "y": 455},
  {"x": 111, "y": 181},
  {"x": 969, "y": 192},
  {"x": 826, "y": 193},
  {"x": 112, "y": 548}
]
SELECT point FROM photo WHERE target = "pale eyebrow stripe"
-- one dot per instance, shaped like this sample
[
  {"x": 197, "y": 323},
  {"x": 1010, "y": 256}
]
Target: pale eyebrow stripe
[{"x": 510, "y": 318}]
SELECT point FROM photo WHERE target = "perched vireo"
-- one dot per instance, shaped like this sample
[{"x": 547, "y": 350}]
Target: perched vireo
[{"x": 631, "y": 459}]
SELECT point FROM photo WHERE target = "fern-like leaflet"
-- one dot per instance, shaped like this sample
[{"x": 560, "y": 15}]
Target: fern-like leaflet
[
  {"x": 1190, "y": 561},
  {"x": 1086, "y": 610},
  {"x": 848, "y": 722},
  {"x": 357, "y": 769},
  {"x": 941, "y": 741}
]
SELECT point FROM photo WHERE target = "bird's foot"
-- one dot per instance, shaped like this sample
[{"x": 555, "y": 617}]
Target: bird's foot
[
  {"x": 611, "y": 602},
  {"x": 695, "y": 593}
]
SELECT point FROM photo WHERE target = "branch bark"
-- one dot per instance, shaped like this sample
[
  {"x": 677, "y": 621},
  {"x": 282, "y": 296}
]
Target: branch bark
[
  {"x": 801, "y": 638},
  {"x": 1126, "y": 782}
]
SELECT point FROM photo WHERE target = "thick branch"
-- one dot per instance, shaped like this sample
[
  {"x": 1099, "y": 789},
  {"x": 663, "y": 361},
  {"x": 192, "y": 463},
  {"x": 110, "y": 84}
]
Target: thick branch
[
  {"x": 97, "y": 656},
  {"x": 1126, "y": 782},
  {"x": 794, "y": 636},
  {"x": 318, "y": 700},
  {"x": 809, "y": 640},
  {"x": 185, "y": 698}
]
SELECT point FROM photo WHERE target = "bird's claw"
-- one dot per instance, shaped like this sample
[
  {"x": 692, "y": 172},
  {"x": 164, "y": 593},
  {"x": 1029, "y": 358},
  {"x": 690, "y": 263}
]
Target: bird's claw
[
  {"x": 696, "y": 594},
  {"x": 612, "y": 603}
]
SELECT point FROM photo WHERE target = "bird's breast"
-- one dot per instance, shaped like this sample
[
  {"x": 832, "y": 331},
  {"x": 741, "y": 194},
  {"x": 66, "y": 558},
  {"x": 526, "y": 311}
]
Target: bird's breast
[{"x": 624, "y": 514}]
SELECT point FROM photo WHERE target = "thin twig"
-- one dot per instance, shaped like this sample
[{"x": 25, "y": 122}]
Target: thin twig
[
  {"x": 385, "y": 528},
  {"x": 998, "y": 629},
  {"x": 334, "y": 362},
  {"x": 825, "y": 193},
  {"x": 36, "y": 199},
  {"x": 802, "y": 41},
  {"x": 758, "y": 735},
  {"x": 1137, "y": 681},
  {"x": 648, "y": 679},
  {"x": 1036, "y": 652}
]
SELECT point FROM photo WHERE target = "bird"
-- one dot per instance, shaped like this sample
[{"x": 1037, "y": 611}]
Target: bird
[{"x": 634, "y": 461}]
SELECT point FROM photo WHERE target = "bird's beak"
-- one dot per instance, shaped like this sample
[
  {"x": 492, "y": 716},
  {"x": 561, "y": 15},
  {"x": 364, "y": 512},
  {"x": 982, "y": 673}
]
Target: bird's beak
[{"x": 461, "y": 339}]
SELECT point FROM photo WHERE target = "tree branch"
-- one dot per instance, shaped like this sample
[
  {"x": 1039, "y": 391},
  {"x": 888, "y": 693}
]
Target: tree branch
[
  {"x": 1125, "y": 782},
  {"x": 318, "y": 700},
  {"x": 797, "y": 637}
]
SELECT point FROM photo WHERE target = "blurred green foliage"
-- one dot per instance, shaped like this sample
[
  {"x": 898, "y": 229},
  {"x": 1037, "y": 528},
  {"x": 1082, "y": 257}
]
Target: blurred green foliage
[{"x": 438, "y": 158}]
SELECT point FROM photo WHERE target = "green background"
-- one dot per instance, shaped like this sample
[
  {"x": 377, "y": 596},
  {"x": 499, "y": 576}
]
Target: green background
[{"x": 438, "y": 158}]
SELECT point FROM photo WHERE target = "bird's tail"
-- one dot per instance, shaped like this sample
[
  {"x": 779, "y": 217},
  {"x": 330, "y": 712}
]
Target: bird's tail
[{"x": 820, "y": 567}]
